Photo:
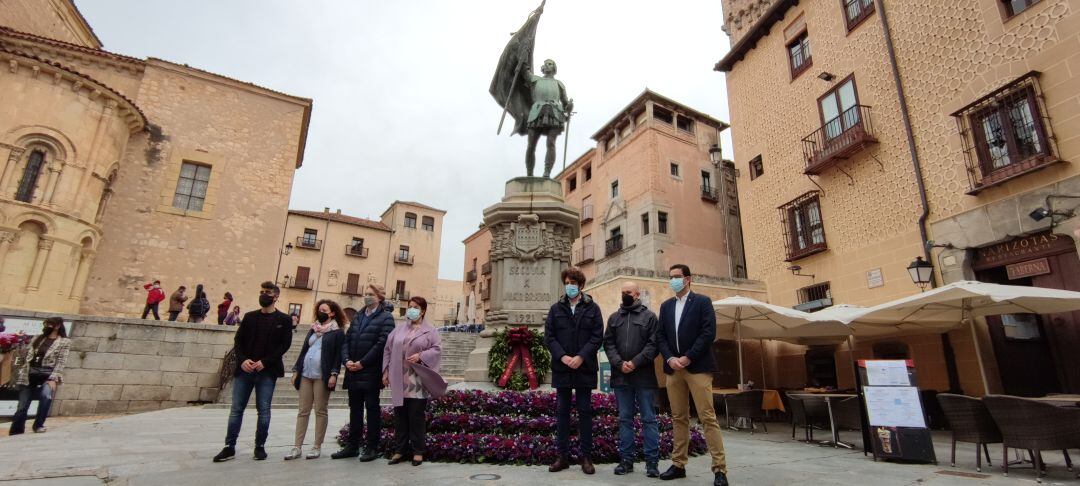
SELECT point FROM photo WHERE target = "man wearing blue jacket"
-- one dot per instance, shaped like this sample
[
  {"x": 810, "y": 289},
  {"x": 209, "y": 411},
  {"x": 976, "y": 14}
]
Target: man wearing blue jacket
[{"x": 687, "y": 331}]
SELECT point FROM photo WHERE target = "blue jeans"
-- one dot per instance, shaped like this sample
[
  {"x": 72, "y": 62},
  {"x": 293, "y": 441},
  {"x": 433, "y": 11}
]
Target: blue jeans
[
  {"x": 583, "y": 399},
  {"x": 243, "y": 383},
  {"x": 27, "y": 394},
  {"x": 634, "y": 400}
]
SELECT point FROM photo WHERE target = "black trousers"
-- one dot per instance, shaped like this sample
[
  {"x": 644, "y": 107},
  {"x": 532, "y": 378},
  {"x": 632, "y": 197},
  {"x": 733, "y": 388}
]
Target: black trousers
[
  {"x": 410, "y": 427},
  {"x": 361, "y": 401},
  {"x": 173, "y": 315},
  {"x": 582, "y": 399},
  {"x": 151, "y": 307}
]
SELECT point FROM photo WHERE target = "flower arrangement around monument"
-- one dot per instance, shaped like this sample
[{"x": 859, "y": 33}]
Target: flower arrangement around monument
[
  {"x": 11, "y": 341},
  {"x": 517, "y": 428},
  {"x": 518, "y": 359}
]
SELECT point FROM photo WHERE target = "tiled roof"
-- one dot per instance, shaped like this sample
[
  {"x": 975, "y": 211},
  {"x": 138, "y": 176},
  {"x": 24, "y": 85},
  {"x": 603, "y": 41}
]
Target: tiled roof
[
  {"x": 653, "y": 95},
  {"x": 425, "y": 206},
  {"x": 67, "y": 45},
  {"x": 342, "y": 218},
  {"x": 81, "y": 75}
]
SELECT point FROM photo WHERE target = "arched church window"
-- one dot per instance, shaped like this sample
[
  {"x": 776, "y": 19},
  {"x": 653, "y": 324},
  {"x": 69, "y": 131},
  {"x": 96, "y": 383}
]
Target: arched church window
[{"x": 30, "y": 176}]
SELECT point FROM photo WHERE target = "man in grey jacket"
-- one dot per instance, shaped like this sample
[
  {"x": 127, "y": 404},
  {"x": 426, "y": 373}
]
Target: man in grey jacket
[{"x": 630, "y": 345}]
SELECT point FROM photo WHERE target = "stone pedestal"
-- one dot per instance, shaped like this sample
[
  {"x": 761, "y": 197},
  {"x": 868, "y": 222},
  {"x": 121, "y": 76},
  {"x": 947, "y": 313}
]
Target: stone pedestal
[{"x": 532, "y": 231}]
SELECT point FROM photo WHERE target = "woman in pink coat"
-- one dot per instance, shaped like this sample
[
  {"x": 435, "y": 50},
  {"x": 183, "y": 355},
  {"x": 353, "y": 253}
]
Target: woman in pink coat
[{"x": 411, "y": 370}]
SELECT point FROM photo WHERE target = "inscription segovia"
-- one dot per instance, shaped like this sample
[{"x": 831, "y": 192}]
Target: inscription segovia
[{"x": 528, "y": 270}]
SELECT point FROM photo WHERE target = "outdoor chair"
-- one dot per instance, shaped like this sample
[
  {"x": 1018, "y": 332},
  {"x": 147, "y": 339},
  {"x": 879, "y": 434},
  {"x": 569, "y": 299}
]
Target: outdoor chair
[
  {"x": 808, "y": 414},
  {"x": 747, "y": 404},
  {"x": 1036, "y": 426},
  {"x": 970, "y": 421}
]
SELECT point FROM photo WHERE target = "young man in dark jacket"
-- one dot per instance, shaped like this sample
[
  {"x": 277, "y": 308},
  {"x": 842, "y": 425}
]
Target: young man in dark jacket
[
  {"x": 264, "y": 336},
  {"x": 630, "y": 345},
  {"x": 687, "y": 331},
  {"x": 573, "y": 334},
  {"x": 362, "y": 355}
]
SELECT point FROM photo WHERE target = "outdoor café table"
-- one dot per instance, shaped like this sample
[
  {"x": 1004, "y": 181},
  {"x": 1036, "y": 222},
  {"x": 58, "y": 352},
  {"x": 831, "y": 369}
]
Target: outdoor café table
[
  {"x": 770, "y": 400},
  {"x": 829, "y": 397}
]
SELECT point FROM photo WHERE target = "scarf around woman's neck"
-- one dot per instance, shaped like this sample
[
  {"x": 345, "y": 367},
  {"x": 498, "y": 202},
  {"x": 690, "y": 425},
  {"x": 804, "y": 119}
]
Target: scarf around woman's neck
[{"x": 321, "y": 329}]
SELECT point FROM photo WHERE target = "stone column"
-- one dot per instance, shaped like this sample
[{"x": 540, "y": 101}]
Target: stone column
[
  {"x": 50, "y": 186},
  {"x": 9, "y": 168},
  {"x": 44, "y": 248},
  {"x": 7, "y": 238},
  {"x": 79, "y": 285}
]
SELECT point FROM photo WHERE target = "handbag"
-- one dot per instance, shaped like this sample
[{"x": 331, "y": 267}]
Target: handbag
[{"x": 38, "y": 375}]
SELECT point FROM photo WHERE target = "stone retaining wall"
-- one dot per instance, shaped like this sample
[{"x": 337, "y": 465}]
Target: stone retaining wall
[{"x": 121, "y": 365}]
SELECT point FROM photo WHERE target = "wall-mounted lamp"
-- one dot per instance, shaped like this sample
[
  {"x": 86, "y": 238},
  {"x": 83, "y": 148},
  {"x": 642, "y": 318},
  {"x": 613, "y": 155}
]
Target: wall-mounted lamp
[
  {"x": 288, "y": 249},
  {"x": 826, "y": 76},
  {"x": 921, "y": 271},
  {"x": 714, "y": 154},
  {"x": 797, "y": 271}
]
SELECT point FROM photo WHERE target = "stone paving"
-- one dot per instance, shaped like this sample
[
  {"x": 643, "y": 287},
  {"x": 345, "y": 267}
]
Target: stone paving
[{"x": 174, "y": 447}]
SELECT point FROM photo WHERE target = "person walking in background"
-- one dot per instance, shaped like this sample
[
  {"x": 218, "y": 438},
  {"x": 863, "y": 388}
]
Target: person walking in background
[
  {"x": 154, "y": 296},
  {"x": 41, "y": 375},
  {"x": 362, "y": 355},
  {"x": 687, "y": 331},
  {"x": 233, "y": 317},
  {"x": 223, "y": 308},
  {"x": 573, "y": 333},
  {"x": 176, "y": 302},
  {"x": 264, "y": 336},
  {"x": 411, "y": 370},
  {"x": 199, "y": 306},
  {"x": 630, "y": 345},
  {"x": 315, "y": 374}
]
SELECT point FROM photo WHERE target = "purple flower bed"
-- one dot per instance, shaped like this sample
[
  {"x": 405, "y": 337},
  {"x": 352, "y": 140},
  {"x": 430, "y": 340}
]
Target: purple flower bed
[{"x": 517, "y": 428}]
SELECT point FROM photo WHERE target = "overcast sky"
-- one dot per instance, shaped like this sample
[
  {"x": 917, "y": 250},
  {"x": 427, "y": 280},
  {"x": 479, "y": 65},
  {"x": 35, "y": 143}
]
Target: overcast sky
[{"x": 400, "y": 87}]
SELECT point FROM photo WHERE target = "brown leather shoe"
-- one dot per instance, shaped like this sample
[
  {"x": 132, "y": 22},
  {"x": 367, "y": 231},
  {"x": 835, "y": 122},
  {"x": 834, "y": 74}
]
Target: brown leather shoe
[
  {"x": 560, "y": 464},
  {"x": 587, "y": 467}
]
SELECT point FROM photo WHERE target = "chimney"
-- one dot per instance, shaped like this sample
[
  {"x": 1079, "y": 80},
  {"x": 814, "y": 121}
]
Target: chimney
[
  {"x": 339, "y": 211},
  {"x": 326, "y": 210}
]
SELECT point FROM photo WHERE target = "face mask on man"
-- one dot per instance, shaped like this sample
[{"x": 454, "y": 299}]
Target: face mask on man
[
  {"x": 413, "y": 314},
  {"x": 265, "y": 300},
  {"x": 369, "y": 300},
  {"x": 628, "y": 300},
  {"x": 156, "y": 286},
  {"x": 572, "y": 290},
  {"x": 322, "y": 316},
  {"x": 47, "y": 329},
  {"x": 677, "y": 284}
]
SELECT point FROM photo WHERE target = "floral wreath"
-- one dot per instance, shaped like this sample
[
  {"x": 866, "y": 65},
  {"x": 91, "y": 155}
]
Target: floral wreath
[{"x": 518, "y": 359}]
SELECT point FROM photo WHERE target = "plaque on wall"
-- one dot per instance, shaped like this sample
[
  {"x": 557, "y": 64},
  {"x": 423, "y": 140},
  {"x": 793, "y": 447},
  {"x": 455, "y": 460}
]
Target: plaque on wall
[{"x": 1030, "y": 268}]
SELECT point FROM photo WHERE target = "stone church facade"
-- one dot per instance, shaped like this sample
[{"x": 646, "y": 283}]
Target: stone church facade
[{"x": 116, "y": 171}]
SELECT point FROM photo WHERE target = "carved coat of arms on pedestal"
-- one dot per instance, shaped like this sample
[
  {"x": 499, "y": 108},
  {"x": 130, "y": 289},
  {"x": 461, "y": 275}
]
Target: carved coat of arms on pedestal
[{"x": 527, "y": 240}]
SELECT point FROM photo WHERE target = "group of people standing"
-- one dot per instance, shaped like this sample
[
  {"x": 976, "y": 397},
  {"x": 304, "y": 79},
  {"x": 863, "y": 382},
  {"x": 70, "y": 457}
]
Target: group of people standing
[
  {"x": 375, "y": 353},
  {"x": 682, "y": 334},
  {"x": 198, "y": 308}
]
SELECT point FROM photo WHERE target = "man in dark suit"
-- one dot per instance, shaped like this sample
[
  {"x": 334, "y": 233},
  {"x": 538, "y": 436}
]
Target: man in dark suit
[{"x": 687, "y": 331}]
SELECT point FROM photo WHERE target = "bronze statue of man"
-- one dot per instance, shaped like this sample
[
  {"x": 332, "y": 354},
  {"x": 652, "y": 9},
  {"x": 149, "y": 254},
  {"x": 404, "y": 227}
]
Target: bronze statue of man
[
  {"x": 548, "y": 115},
  {"x": 538, "y": 104}
]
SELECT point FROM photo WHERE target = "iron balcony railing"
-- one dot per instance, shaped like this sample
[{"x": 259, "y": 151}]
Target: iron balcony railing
[
  {"x": 470, "y": 276},
  {"x": 485, "y": 268},
  {"x": 584, "y": 255},
  {"x": 309, "y": 243},
  {"x": 356, "y": 250},
  {"x": 485, "y": 294},
  {"x": 586, "y": 213},
  {"x": 403, "y": 258},
  {"x": 294, "y": 283},
  {"x": 613, "y": 245},
  {"x": 402, "y": 297},
  {"x": 838, "y": 139},
  {"x": 710, "y": 193}
]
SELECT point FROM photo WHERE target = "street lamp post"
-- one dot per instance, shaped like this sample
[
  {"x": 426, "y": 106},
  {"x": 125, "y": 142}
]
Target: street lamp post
[{"x": 284, "y": 251}]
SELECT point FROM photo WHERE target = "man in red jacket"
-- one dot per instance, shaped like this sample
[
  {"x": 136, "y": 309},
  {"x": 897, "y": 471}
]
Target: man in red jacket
[{"x": 154, "y": 297}]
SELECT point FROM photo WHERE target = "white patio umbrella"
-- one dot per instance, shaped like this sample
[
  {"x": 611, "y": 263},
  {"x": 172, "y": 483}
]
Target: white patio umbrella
[
  {"x": 470, "y": 312},
  {"x": 738, "y": 317},
  {"x": 946, "y": 308}
]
